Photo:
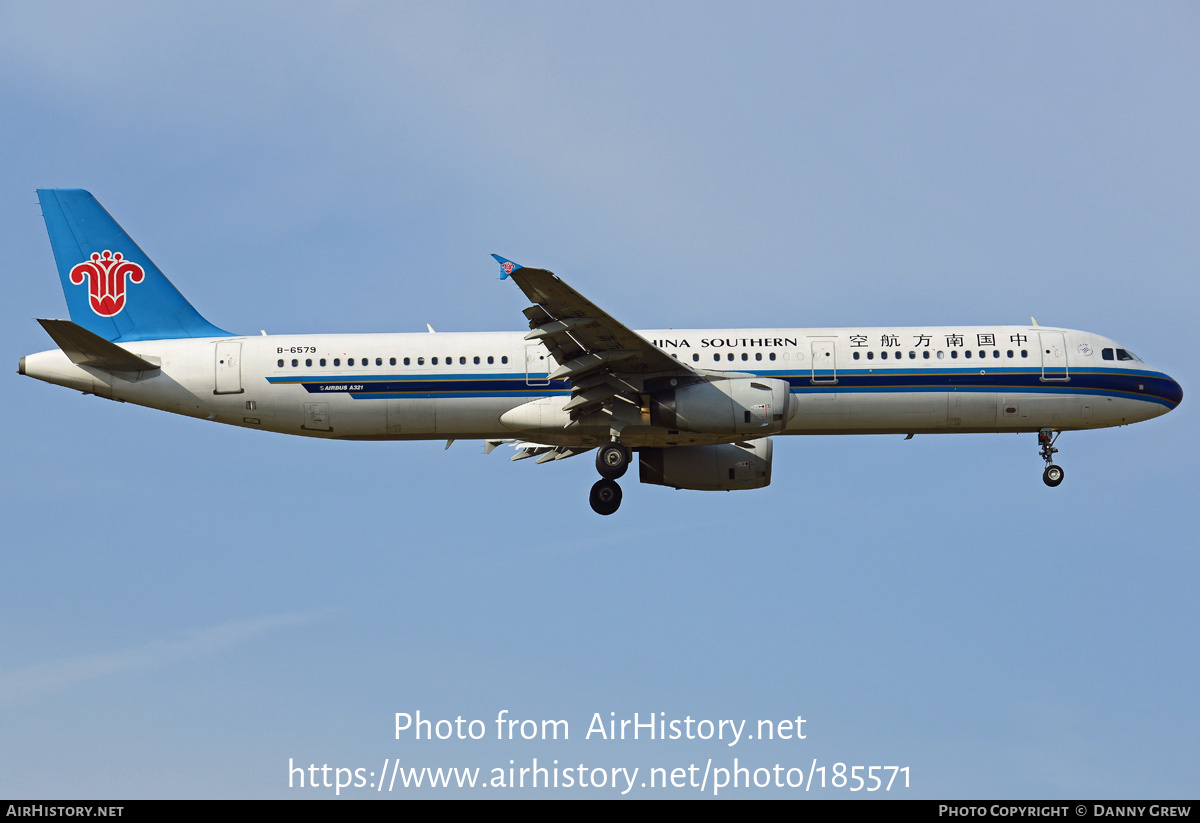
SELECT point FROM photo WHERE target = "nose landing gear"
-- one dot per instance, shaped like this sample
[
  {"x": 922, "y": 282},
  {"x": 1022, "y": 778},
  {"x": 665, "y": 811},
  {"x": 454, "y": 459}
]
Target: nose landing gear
[
  {"x": 1053, "y": 475},
  {"x": 612, "y": 461}
]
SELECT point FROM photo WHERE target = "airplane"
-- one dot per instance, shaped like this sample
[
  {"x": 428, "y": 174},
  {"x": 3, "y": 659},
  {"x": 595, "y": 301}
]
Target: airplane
[{"x": 698, "y": 407}]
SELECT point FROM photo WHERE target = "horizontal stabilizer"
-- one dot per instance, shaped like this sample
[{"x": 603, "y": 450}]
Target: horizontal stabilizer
[
  {"x": 542, "y": 452},
  {"x": 87, "y": 349}
]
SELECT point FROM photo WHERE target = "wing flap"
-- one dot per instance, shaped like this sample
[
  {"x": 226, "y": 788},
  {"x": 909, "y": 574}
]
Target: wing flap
[
  {"x": 591, "y": 362},
  {"x": 557, "y": 327}
]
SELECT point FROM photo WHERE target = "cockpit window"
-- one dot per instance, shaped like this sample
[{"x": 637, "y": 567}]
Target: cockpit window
[
  {"x": 1107, "y": 354},
  {"x": 1122, "y": 354}
]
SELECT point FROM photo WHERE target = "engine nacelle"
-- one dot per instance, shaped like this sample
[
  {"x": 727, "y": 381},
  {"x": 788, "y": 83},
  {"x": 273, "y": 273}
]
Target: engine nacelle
[
  {"x": 708, "y": 468},
  {"x": 739, "y": 405}
]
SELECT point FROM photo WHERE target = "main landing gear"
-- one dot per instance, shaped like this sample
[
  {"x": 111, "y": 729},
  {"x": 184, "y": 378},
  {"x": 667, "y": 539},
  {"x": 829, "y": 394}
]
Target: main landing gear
[
  {"x": 605, "y": 497},
  {"x": 612, "y": 461},
  {"x": 1053, "y": 475}
]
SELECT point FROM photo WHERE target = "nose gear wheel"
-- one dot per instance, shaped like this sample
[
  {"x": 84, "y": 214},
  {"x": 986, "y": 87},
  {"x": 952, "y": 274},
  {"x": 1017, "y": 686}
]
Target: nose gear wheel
[{"x": 1053, "y": 475}]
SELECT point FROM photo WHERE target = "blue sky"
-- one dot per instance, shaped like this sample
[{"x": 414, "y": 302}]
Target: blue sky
[{"x": 190, "y": 606}]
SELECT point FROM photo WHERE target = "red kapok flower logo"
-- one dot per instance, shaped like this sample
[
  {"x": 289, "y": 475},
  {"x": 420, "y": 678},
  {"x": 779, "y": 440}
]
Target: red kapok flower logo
[{"x": 106, "y": 275}]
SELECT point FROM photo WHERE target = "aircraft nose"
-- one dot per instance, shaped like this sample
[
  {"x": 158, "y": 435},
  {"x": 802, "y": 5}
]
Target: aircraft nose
[{"x": 1173, "y": 392}]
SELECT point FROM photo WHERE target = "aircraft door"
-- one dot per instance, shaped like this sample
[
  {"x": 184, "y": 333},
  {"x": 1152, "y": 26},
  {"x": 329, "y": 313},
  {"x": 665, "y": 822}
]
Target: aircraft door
[
  {"x": 228, "y": 368},
  {"x": 1054, "y": 355},
  {"x": 536, "y": 365},
  {"x": 824, "y": 361}
]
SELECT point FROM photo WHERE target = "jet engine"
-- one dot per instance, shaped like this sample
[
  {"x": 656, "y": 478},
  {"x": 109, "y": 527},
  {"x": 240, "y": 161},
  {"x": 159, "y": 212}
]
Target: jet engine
[
  {"x": 739, "y": 405},
  {"x": 708, "y": 468}
]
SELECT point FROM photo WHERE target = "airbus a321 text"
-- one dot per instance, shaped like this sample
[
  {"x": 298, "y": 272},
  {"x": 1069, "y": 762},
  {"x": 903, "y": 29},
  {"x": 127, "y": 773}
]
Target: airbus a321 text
[{"x": 698, "y": 407}]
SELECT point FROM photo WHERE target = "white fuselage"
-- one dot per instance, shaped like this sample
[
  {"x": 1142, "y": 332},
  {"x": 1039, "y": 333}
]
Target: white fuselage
[{"x": 460, "y": 385}]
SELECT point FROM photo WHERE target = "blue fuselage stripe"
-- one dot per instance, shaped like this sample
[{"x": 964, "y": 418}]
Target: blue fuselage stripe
[{"x": 1151, "y": 387}]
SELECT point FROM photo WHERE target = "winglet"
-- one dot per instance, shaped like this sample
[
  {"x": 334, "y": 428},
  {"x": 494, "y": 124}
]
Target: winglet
[{"x": 507, "y": 267}]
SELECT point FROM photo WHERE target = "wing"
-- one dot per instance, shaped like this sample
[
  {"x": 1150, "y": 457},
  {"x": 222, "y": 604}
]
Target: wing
[{"x": 605, "y": 361}]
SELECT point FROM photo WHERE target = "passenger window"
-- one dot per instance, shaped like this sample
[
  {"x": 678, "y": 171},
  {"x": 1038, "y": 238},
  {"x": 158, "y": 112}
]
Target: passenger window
[
  {"x": 870, "y": 355},
  {"x": 490, "y": 360},
  {"x": 337, "y": 361},
  {"x": 758, "y": 355},
  {"x": 322, "y": 361},
  {"x": 295, "y": 363},
  {"x": 1010, "y": 354},
  {"x": 729, "y": 356},
  {"x": 504, "y": 358},
  {"x": 912, "y": 355},
  {"x": 995, "y": 353},
  {"x": 407, "y": 361},
  {"x": 954, "y": 354},
  {"x": 392, "y": 361},
  {"x": 281, "y": 363},
  {"x": 771, "y": 356},
  {"x": 476, "y": 360},
  {"x": 695, "y": 358},
  {"x": 941, "y": 355},
  {"x": 856, "y": 355},
  {"x": 433, "y": 361},
  {"x": 883, "y": 355},
  {"x": 308, "y": 363},
  {"x": 462, "y": 361},
  {"x": 745, "y": 356},
  {"x": 1024, "y": 353},
  {"x": 420, "y": 361},
  {"x": 967, "y": 354},
  {"x": 379, "y": 361}
]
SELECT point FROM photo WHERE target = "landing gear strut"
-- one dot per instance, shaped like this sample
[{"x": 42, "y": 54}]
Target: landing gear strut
[
  {"x": 1053, "y": 475},
  {"x": 612, "y": 461}
]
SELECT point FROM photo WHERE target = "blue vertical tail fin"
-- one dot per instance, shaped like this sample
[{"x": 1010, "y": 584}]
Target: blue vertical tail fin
[{"x": 112, "y": 288}]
